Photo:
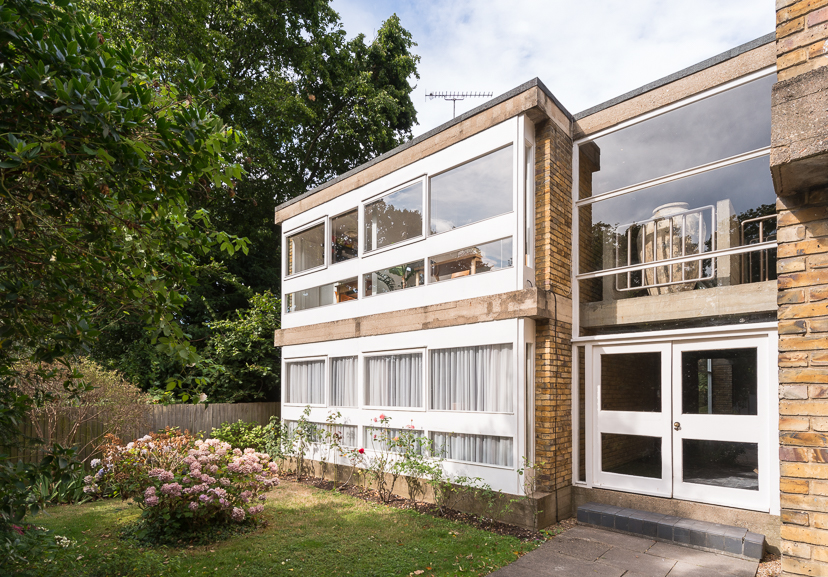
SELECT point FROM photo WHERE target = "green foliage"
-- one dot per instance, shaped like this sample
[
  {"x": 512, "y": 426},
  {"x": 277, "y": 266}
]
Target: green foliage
[
  {"x": 241, "y": 435},
  {"x": 313, "y": 105}
]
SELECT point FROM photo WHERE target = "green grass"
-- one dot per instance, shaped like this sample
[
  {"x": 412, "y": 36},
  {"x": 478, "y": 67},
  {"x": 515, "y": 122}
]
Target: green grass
[{"x": 311, "y": 532}]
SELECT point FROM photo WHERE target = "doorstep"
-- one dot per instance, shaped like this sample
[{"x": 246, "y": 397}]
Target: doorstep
[{"x": 714, "y": 537}]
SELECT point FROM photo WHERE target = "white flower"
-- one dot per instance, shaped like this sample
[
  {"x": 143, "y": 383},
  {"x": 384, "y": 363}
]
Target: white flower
[
  {"x": 95, "y": 462},
  {"x": 65, "y": 542}
]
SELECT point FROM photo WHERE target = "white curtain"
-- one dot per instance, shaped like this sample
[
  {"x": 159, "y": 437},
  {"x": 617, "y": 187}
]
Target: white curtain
[
  {"x": 484, "y": 449},
  {"x": 347, "y": 434},
  {"x": 305, "y": 382},
  {"x": 394, "y": 381},
  {"x": 374, "y": 438},
  {"x": 472, "y": 379},
  {"x": 343, "y": 382}
]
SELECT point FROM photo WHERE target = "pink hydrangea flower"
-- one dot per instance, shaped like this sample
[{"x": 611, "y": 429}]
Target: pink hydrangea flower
[
  {"x": 193, "y": 506},
  {"x": 151, "y": 501},
  {"x": 237, "y": 515}
]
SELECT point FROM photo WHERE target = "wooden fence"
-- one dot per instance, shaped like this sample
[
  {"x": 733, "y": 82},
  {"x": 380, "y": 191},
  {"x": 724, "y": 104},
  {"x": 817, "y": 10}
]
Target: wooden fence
[{"x": 194, "y": 418}]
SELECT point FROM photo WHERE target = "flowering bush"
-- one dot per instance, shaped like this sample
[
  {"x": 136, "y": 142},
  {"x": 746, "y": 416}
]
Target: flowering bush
[{"x": 183, "y": 484}]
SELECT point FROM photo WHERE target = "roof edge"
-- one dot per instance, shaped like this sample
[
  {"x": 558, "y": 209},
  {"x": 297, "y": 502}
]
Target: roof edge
[
  {"x": 534, "y": 83},
  {"x": 704, "y": 64}
]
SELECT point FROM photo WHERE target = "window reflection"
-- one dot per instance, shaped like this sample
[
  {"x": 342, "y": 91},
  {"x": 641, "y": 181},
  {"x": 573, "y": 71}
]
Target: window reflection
[
  {"x": 338, "y": 292},
  {"x": 306, "y": 249},
  {"x": 394, "y": 218},
  {"x": 395, "y": 278},
  {"x": 721, "y": 126},
  {"x": 472, "y": 260},
  {"x": 472, "y": 192},
  {"x": 344, "y": 236}
]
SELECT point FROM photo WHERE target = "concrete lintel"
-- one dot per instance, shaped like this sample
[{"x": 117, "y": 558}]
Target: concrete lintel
[
  {"x": 532, "y": 99},
  {"x": 799, "y": 135},
  {"x": 718, "y": 301},
  {"x": 528, "y": 303}
]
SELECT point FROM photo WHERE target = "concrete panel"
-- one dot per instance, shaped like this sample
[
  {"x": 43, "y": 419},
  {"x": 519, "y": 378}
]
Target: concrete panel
[
  {"x": 718, "y": 301},
  {"x": 705, "y": 79},
  {"x": 527, "y": 303}
]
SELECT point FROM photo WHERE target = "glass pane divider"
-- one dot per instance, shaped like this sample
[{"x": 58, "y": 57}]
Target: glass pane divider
[
  {"x": 678, "y": 260},
  {"x": 676, "y": 176}
]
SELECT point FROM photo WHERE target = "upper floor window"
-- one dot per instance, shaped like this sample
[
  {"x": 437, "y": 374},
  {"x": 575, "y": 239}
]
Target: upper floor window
[
  {"x": 344, "y": 237},
  {"x": 472, "y": 260},
  {"x": 394, "y": 218},
  {"x": 472, "y": 192},
  {"x": 306, "y": 249}
]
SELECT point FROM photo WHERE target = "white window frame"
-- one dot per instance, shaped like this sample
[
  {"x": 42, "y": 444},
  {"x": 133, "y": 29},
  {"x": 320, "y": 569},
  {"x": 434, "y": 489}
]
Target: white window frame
[
  {"x": 330, "y": 233},
  {"x": 364, "y": 384},
  {"x": 515, "y": 169},
  {"x": 285, "y": 253},
  {"x": 325, "y": 376},
  {"x": 364, "y": 253}
]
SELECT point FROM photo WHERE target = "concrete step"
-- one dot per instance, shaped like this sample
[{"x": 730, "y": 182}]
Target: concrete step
[{"x": 733, "y": 541}]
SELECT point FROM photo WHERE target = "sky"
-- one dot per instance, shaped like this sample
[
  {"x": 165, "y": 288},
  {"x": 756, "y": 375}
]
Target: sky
[{"x": 585, "y": 51}]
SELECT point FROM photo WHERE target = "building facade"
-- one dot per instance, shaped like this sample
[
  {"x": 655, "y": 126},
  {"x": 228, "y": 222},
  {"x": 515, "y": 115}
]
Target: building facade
[{"x": 634, "y": 296}]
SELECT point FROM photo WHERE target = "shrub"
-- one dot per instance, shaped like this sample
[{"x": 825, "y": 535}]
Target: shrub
[
  {"x": 119, "y": 407},
  {"x": 241, "y": 435},
  {"x": 184, "y": 486}
]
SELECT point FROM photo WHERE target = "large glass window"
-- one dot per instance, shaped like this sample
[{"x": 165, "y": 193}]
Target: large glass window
[
  {"x": 721, "y": 382},
  {"x": 394, "y": 218},
  {"x": 472, "y": 260},
  {"x": 631, "y": 382},
  {"x": 472, "y": 379},
  {"x": 344, "y": 237},
  {"x": 721, "y": 126},
  {"x": 395, "y": 278},
  {"x": 685, "y": 220},
  {"x": 472, "y": 192},
  {"x": 394, "y": 380},
  {"x": 485, "y": 449},
  {"x": 337, "y": 292},
  {"x": 306, "y": 249},
  {"x": 305, "y": 382},
  {"x": 343, "y": 382}
]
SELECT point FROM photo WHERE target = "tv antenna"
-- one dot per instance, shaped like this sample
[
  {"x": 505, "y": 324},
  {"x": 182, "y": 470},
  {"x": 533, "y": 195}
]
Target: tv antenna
[{"x": 455, "y": 96}]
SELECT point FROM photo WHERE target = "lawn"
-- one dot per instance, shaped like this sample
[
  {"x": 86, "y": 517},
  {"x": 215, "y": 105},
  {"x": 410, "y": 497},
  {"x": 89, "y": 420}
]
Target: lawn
[{"x": 310, "y": 532}]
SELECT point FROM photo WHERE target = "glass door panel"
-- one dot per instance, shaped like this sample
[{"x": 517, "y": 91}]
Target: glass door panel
[
  {"x": 719, "y": 430},
  {"x": 633, "y": 418}
]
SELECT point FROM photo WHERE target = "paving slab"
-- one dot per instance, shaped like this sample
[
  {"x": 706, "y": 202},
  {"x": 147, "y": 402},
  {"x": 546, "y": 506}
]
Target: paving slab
[
  {"x": 721, "y": 564},
  {"x": 630, "y": 542},
  {"x": 543, "y": 562},
  {"x": 580, "y": 548},
  {"x": 640, "y": 562}
]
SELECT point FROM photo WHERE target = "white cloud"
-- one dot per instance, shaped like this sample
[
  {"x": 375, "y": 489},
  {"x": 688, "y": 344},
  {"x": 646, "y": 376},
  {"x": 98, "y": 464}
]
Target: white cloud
[{"x": 586, "y": 52}]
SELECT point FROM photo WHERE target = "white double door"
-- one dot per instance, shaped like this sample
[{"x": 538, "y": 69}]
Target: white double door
[{"x": 687, "y": 420}]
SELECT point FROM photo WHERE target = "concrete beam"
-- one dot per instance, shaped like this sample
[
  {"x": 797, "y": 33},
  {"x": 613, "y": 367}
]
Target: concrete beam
[
  {"x": 718, "y": 301},
  {"x": 527, "y": 303},
  {"x": 799, "y": 134}
]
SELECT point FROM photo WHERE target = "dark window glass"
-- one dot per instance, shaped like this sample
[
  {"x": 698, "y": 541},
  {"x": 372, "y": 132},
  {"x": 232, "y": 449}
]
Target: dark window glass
[
  {"x": 473, "y": 260},
  {"x": 717, "y": 127},
  {"x": 394, "y": 218},
  {"x": 395, "y": 278},
  {"x": 306, "y": 249},
  {"x": 712, "y": 210},
  {"x": 345, "y": 236},
  {"x": 631, "y": 382},
  {"x": 719, "y": 382},
  {"x": 631, "y": 455},
  {"x": 721, "y": 464},
  {"x": 472, "y": 192}
]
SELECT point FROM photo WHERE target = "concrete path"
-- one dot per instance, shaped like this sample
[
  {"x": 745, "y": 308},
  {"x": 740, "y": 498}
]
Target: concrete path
[{"x": 589, "y": 552}]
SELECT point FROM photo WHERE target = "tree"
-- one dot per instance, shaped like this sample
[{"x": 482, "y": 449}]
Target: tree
[
  {"x": 312, "y": 103},
  {"x": 100, "y": 160}
]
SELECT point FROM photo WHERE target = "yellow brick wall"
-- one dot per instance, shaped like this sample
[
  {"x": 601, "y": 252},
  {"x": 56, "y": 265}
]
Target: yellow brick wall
[
  {"x": 553, "y": 262},
  {"x": 801, "y": 36}
]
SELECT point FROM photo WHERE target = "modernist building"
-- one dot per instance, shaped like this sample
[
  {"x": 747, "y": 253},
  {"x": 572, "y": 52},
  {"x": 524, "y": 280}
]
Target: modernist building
[{"x": 603, "y": 292}]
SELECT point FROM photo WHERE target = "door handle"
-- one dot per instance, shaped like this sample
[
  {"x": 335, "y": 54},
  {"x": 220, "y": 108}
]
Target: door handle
[{"x": 676, "y": 426}]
